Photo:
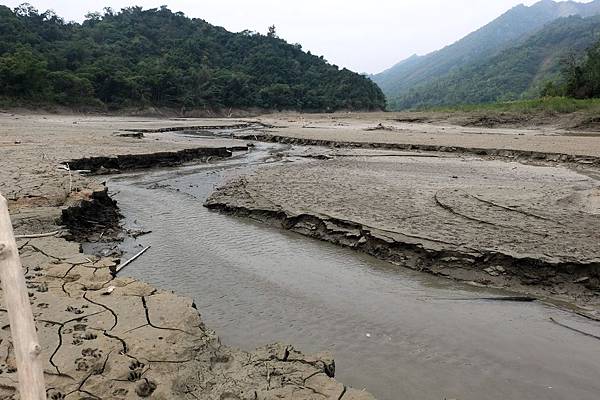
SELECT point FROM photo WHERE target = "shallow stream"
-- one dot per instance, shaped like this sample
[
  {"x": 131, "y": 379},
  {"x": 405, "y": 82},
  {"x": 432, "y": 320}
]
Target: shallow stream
[{"x": 398, "y": 333}]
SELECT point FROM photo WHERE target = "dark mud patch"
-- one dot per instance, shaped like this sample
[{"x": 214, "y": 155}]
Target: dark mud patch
[{"x": 92, "y": 219}]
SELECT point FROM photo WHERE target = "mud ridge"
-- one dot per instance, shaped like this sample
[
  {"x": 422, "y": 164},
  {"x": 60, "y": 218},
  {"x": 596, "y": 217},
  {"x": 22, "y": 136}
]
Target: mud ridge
[
  {"x": 127, "y": 162},
  {"x": 518, "y": 155},
  {"x": 199, "y": 127},
  {"x": 424, "y": 255}
]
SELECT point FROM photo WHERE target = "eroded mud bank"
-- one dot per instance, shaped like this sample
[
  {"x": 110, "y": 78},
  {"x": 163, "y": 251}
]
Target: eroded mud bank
[
  {"x": 126, "y": 162},
  {"x": 525, "y": 228}
]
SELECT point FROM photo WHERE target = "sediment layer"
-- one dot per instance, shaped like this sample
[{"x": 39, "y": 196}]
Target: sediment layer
[
  {"x": 511, "y": 154},
  {"x": 124, "y": 162}
]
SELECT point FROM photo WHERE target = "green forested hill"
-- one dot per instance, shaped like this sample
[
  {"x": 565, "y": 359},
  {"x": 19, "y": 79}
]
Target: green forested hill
[
  {"x": 156, "y": 57},
  {"x": 515, "y": 73},
  {"x": 508, "y": 30}
]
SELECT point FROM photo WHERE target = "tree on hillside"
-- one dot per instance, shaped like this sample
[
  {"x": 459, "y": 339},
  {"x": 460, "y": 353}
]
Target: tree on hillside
[
  {"x": 582, "y": 77},
  {"x": 137, "y": 57}
]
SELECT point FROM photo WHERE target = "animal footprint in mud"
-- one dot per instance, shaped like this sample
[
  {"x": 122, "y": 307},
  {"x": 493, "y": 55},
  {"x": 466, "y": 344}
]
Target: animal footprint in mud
[
  {"x": 89, "y": 352},
  {"x": 135, "y": 364},
  {"x": 77, "y": 342},
  {"x": 74, "y": 310},
  {"x": 145, "y": 388},
  {"x": 79, "y": 327},
  {"x": 120, "y": 392},
  {"x": 133, "y": 376},
  {"x": 85, "y": 335},
  {"x": 89, "y": 359},
  {"x": 42, "y": 287},
  {"x": 81, "y": 364},
  {"x": 43, "y": 305},
  {"x": 57, "y": 396}
]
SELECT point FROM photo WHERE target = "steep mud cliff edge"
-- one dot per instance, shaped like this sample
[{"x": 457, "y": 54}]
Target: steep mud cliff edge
[
  {"x": 528, "y": 228},
  {"x": 106, "y": 337}
]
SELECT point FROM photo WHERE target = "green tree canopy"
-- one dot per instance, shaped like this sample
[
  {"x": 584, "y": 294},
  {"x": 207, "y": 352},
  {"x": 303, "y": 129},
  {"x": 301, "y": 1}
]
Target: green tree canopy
[{"x": 139, "y": 57}]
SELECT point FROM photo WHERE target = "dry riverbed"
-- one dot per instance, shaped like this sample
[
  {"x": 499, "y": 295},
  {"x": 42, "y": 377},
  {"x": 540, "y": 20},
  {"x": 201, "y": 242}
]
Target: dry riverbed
[
  {"x": 510, "y": 208},
  {"x": 107, "y": 337}
]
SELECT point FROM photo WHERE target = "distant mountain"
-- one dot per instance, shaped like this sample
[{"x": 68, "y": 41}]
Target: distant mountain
[
  {"x": 514, "y": 73},
  {"x": 156, "y": 57},
  {"x": 400, "y": 82}
]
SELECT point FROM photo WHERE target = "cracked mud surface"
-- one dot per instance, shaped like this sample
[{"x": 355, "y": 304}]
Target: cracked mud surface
[
  {"x": 137, "y": 341},
  {"x": 527, "y": 228}
]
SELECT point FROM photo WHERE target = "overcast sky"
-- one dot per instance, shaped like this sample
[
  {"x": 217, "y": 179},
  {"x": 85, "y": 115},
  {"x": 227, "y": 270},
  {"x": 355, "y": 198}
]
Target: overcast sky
[{"x": 364, "y": 36}]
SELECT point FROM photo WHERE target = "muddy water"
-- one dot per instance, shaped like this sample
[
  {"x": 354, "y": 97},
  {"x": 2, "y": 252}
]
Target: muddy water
[{"x": 398, "y": 333}]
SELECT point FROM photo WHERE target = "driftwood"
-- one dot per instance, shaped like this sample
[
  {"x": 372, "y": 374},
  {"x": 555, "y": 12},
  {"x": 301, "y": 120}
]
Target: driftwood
[
  {"x": 37, "y": 235},
  {"x": 126, "y": 263},
  {"x": 22, "y": 326}
]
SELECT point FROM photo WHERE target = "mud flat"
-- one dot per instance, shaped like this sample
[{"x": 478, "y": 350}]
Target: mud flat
[
  {"x": 107, "y": 337},
  {"x": 532, "y": 229},
  {"x": 398, "y": 131}
]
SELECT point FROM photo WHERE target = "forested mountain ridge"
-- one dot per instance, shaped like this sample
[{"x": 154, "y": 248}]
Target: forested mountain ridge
[
  {"x": 155, "y": 57},
  {"x": 517, "y": 72},
  {"x": 509, "y": 29}
]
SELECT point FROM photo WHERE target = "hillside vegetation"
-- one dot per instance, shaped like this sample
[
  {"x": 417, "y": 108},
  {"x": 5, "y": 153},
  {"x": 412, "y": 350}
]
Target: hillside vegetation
[
  {"x": 469, "y": 66},
  {"x": 155, "y": 57},
  {"x": 517, "y": 72}
]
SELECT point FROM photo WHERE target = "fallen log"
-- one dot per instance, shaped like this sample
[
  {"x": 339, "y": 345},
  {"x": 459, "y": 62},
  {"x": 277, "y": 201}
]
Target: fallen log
[{"x": 22, "y": 326}]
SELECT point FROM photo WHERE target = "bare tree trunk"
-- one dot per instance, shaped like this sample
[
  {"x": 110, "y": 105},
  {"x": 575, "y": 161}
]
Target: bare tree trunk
[{"x": 22, "y": 327}]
